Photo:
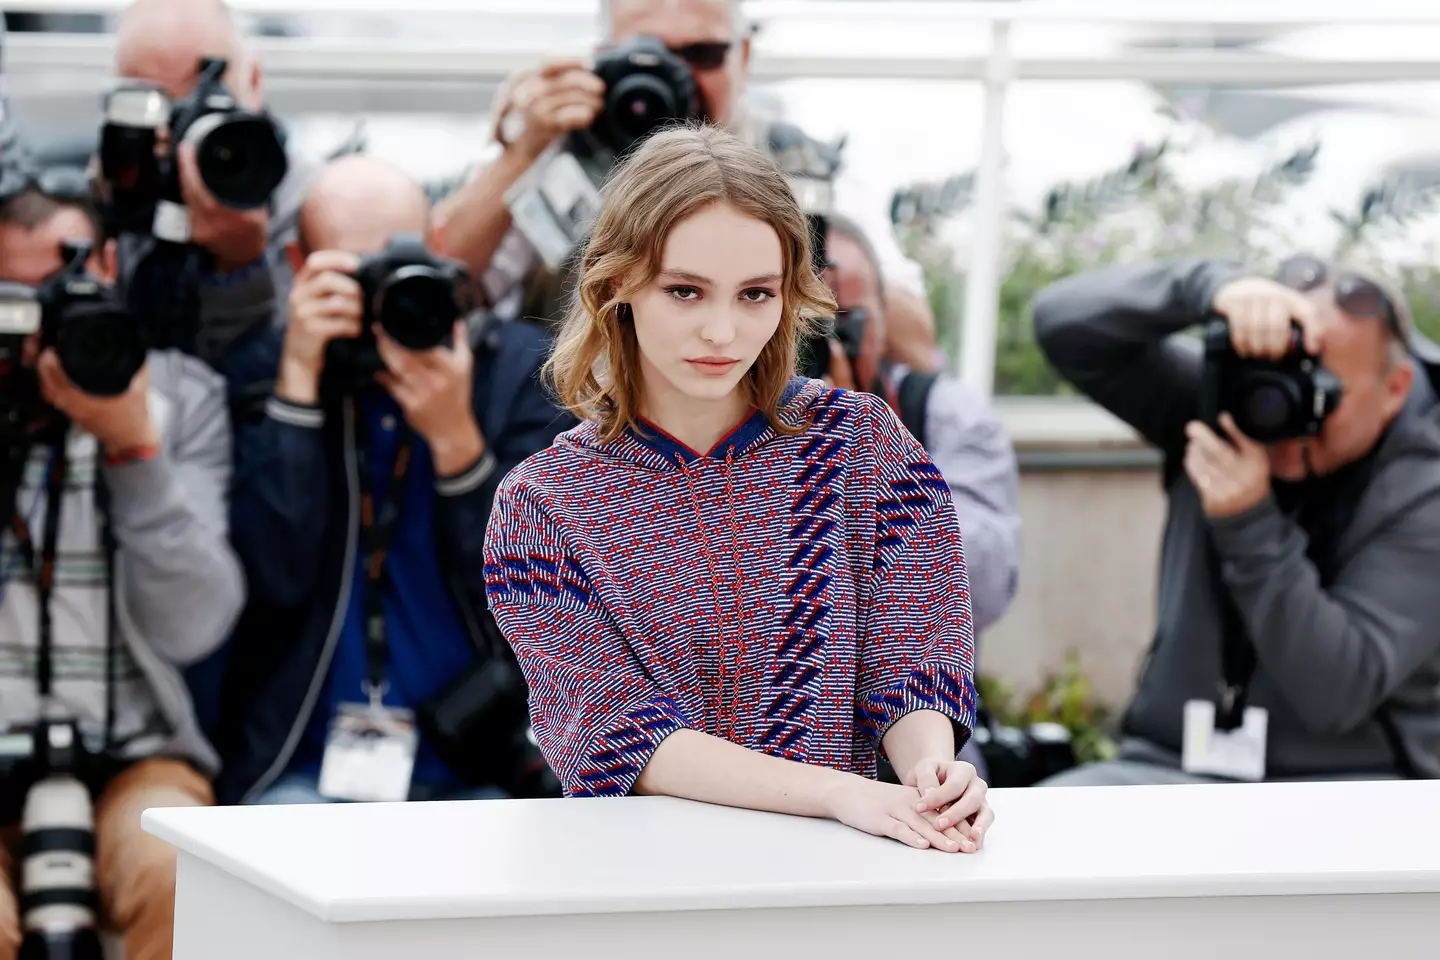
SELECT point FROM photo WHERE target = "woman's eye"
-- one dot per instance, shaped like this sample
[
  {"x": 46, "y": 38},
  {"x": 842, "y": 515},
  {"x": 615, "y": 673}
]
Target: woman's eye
[
  {"x": 757, "y": 295},
  {"x": 684, "y": 293}
]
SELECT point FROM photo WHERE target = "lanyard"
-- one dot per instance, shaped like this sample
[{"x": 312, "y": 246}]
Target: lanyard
[
  {"x": 42, "y": 571},
  {"x": 377, "y": 530}
]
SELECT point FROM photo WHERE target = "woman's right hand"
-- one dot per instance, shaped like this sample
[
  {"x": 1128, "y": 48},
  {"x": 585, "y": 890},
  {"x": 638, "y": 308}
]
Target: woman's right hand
[{"x": 888, "y": 810}]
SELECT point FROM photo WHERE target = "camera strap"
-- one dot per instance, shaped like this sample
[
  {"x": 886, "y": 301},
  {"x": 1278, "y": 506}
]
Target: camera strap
[
  {"x": 378, "y": 522},
  {"x": 1237, "y": 654},
  {"x": 42, "y": 570}
]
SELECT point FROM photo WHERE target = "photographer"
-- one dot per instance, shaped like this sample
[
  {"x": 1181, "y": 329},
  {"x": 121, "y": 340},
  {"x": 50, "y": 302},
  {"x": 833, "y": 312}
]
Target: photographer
[
  {"x": 956, "y": 425},
  {"x": 360, "y": 509},
  {"x": 230, "y": 267},
  {"x": 536, "y": 110},
  {"x": 1299, "y": 630},
  {"x": 117, "y": 569}
]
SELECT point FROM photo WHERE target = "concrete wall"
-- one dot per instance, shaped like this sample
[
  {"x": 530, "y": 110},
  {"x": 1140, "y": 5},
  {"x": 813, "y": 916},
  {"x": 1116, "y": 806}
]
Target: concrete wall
[{"x": 1092, "y": 509}]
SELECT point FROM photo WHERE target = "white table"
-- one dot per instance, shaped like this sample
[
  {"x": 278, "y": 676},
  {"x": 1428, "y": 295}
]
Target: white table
[{"x": 1339, "y": 870}]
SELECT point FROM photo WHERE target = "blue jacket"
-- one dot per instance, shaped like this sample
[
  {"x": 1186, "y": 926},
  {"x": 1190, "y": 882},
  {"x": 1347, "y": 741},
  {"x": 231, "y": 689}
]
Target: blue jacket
[{"x": 295, "y": 525}]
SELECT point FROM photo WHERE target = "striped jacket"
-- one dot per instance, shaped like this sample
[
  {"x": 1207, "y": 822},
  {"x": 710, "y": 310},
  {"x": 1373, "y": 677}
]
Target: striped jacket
[{"x": 793, "y": 594}]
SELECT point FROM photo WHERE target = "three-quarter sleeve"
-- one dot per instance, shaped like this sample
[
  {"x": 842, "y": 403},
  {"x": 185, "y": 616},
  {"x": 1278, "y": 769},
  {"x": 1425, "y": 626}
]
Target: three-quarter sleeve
[
  {"x": 597, "y": 715},
  {"x": 917, "y": 648}
]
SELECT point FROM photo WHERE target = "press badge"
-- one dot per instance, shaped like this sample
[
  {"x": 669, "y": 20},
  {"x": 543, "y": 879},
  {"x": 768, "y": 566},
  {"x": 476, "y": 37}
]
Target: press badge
[
  {"x": 370, "y": 754},
  {"x": 553, "y": 206},
  {"x": 1237, "y": 754}
]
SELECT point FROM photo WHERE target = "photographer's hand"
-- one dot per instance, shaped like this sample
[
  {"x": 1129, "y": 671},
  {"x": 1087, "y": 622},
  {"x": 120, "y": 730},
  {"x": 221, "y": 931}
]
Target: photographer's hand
[
  {"x": 1260, "y": 313},
  {"x": 236, "y": 238},
  {"x": 433, "y": 388},
  {"x": 559, "y": 97},
  {"x": 1230, "y": 477},
  {"x": 325, "y": 305},
  {"x": 121, "y": 423}
]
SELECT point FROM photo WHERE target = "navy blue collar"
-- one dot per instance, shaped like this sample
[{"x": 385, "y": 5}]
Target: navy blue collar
[{"x": 735, "y": 444}]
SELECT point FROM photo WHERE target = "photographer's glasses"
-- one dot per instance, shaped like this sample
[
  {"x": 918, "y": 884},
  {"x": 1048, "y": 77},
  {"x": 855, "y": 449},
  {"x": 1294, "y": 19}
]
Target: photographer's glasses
[
  {"x": 708, "y": 55},
  {"x": 62, "y": 184},
  {"x": 1355, "y": 294}
]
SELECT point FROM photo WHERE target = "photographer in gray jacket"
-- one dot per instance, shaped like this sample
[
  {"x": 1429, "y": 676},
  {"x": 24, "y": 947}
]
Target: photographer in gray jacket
[
  {"x": 115, "y": 565},
  {"x": 1298, "y": 632}
]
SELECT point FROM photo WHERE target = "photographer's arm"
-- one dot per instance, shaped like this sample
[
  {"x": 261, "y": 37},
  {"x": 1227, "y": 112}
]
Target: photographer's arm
[
  {"x": 1335, "y": 655},
  {"x": 279, "y": 505},
  {"x": 1109, "y": 332},
  {"x": 473, "y": 220},
  {"x": 967, "y": 441},
  {"x": 531, "y": 424},
  {"x": 181, "y": 582}
]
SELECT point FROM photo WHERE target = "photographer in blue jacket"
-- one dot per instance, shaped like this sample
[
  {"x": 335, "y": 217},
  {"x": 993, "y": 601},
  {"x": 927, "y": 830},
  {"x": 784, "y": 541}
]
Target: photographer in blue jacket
[{"x": 368, "y": 667}]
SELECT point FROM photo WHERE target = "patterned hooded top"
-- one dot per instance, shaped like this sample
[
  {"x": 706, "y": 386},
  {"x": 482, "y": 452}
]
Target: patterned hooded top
[{"x": 795, "y": 595}]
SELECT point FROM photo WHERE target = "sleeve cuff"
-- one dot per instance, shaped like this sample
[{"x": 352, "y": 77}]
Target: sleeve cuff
[
  {"x": 1258, "y": 530},
  {"x": 469, "y": 480},
  {"x": 294, "y": 414},
  {"x": 624, "y": 750},
  {"x": 929, "y": 687}
]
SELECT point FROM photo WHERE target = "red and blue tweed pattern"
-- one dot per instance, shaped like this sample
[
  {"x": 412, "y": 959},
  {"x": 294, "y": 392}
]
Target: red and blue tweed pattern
[{"x": 794, "y": 594}]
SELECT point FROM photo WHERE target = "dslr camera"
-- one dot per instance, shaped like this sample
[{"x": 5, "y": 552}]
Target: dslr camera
[
  {"x": 646, "y": 87},
  {"x": 414, "y": 295},
  {"x": 58, "y": 899},
  {"x": 480, "y": 724},
  {"x": 240, "y": 154},
  {"x": 98, "y": 342},
  {"x": 1271, "y": 400}
]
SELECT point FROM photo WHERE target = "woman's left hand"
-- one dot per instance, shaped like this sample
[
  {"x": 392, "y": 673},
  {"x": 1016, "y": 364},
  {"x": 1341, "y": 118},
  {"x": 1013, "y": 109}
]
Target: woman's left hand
[{"x": 953, "y": 789}]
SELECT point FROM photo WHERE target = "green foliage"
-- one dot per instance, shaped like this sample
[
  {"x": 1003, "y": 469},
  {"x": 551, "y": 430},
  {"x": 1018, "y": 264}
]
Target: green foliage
[
  {"x": 1064, "y": 698},
  {"x": 1141, "y": 209}
]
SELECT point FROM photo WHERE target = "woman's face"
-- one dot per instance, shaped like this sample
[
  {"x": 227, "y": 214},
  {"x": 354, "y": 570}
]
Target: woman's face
[{"x": 716, "y": 302}]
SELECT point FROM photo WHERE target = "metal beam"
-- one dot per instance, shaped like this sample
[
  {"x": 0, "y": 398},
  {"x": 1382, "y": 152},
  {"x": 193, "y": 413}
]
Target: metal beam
[{"x": 384, "y": 60}]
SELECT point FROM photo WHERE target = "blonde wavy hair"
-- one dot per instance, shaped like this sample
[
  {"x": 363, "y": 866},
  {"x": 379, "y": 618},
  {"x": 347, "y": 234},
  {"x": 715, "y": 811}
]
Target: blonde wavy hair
[{"x": 594, "y": 368}]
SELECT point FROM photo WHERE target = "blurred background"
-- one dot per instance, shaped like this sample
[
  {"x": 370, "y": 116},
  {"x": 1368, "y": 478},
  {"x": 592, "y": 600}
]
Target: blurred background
[{"x": 1110, "y": 130}]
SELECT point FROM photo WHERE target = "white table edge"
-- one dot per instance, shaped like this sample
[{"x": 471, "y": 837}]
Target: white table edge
[{"x": 957, "y": 890}]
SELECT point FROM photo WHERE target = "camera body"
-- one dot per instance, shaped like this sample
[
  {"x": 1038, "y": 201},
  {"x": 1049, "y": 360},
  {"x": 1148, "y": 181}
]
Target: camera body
[
  {"x": 240, "y": 154},
  {"x": 480, "y": 724},
  {"x": 1271, "y": 400},
  {"x": 100, "y": 345},
  {"x": 413, "y": 294},
  {"x": 646, "y": 87},
  {"x": 58, "y": 899}
]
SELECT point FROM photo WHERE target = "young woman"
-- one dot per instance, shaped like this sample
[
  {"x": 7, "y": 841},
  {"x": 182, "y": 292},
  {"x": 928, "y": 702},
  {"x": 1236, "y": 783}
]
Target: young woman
[{"x": 730, "y": 584}]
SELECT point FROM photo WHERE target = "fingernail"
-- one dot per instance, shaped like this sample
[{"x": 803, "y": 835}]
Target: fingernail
[
  {"x": 920, "y": 807},
  {"x": 943, "y": 822}
]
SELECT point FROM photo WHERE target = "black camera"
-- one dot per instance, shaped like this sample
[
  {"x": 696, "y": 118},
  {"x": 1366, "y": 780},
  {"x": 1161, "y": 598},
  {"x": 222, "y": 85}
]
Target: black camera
[
  {"x": 98, "y": 342},
  {"x": 240, "y": 154},
  {"x": 1271, "y": 400},
  {"x": 479, "y": 725},
  {"x": 646, "y": 87},
  {"x": 58, "y": 899},
  {"x": 415, "y": 297}
]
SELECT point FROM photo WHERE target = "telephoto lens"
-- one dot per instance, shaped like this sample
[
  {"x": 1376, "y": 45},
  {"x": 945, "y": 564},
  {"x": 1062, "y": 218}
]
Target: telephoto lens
[{"x": 58, "y": 902}]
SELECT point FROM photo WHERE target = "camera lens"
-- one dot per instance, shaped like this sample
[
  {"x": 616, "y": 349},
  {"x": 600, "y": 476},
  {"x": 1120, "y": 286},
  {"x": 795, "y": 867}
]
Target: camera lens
[
  {"x": 417, "y": 307},
  {"x": 241, "y": 161},
  {"x": 1267, "y": 407},
  {"x": 100, "y": 348},
  {"x": 640, "y": 103}
]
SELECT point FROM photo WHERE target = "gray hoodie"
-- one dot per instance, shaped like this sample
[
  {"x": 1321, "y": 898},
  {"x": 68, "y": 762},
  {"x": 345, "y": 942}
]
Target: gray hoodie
[{"x": 1331, "y": 659}]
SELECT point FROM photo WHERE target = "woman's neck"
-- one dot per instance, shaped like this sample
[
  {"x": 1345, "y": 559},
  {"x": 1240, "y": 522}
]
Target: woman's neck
[{"x": 699, "y": 424}]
